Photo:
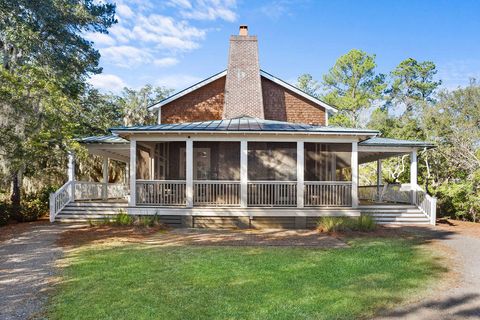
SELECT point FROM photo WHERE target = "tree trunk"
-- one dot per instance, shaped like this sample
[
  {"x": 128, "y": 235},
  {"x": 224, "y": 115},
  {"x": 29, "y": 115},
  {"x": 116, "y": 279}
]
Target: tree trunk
[{"x": 16, "y": 196}]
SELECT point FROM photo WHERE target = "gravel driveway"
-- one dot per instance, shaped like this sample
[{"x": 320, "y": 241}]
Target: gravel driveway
[
  {"x": 462, "y": 301},
  {"x": 27, "y": 269}
]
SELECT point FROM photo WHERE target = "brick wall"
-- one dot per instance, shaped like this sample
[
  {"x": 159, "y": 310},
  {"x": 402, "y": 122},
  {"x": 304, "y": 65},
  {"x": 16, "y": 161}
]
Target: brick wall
[
  {"x": 284, "y": 105},
  {"x": 205, "y": 103},
  {"x": 243, "y": 92}
]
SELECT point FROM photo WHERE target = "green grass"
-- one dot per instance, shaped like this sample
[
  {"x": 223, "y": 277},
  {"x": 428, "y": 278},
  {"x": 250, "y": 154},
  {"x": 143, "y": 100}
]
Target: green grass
[{"x": 144, "y": 282}]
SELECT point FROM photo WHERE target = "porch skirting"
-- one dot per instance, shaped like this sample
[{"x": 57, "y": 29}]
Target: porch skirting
[{"x": 245, "y": 212}]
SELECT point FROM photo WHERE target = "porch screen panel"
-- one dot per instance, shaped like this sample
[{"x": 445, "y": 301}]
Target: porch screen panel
[
  {"x": 214, "y": 160},
  {"x": 216, "y": 173},
  {"x": 143, "y": 163},
  {"x": 328, "y": 162},
  {"x": 272, "y": 161},
  {"x": 170, "y": 161}
]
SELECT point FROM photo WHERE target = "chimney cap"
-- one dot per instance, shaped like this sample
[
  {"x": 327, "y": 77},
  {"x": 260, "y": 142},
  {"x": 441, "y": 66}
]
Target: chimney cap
[{"x": 243, "y": 30}]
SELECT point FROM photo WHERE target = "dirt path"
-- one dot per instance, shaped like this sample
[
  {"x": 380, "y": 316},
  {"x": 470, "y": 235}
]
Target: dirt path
[
  {"x": 27, "y": 258},
  {"x": 462, "y": 300}
]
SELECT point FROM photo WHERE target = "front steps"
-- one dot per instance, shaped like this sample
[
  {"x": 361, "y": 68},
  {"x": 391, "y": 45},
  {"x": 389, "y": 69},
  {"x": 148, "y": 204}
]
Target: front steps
[
  {"x": 383, "y": 214},
  {"x": 84, "y": 211},
  {"x": 395, "y": 214}
]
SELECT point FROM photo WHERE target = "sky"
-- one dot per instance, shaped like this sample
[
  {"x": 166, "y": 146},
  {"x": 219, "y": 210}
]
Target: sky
[{"x": 176, "y": 43}]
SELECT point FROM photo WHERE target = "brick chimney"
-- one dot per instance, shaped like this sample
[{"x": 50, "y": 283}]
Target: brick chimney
[{"x": 243, "y": 89}]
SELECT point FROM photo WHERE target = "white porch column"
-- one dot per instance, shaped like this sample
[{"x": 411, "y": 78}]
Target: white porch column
[
  {"x": 105, "y": 177},
  {"x": 189, "y": 173},
  {"x": 71, "y": 174},
  {"x": 300, "y": 173},
  {"x": 133, "y": 173},
  {"x": 354, "y": 174},
  {"x": 379, "y": 177},
  {"x": 413, "y": 175},
  {"x": 243, "y": 173}
]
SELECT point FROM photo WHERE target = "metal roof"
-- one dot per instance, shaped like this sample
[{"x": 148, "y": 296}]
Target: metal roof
[
  {"x": 387, "y": 142},
  {"x": 102, "y": 139},
  {"x": 223, "y": 73},
  {"x": 242, "y": 124}
]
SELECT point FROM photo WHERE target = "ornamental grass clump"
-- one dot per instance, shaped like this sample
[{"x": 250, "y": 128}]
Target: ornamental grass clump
[{"x": 342, "y": 224}]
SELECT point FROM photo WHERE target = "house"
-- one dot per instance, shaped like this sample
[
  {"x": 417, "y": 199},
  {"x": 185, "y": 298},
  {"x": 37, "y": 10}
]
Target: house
[{"x": 244, "y": 148}]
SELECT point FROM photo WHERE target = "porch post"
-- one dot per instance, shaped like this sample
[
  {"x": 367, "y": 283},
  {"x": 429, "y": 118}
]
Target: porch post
[
  {"x": 71, "y": 174},
  {"x": 243, "y": 173},
  {"x": 379, "y": 177},
  {"x": 105, "y": 178},
  {"x": 189, "y": 173},
  {"x": 300, "y": 173},
  {"x": 133, "y": 173},
  {"x": 413, "y": 174},
  {"x": 354, "y": 174}
]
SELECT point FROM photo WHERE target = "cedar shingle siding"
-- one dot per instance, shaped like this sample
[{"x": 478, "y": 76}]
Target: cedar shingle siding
[
  {"x": 284, "y": 105},
  {"x": 205, "y": 103}
]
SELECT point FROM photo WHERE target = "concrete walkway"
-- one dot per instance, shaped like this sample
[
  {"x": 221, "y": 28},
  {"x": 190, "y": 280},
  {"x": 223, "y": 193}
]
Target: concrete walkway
[
  {"x": 459, "y": 302},
  {"x": 27, "y": 270}
]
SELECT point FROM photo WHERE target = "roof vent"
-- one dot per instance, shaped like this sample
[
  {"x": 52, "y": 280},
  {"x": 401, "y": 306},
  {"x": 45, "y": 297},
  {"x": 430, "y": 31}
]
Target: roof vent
[{"x": 243, "y": 30}]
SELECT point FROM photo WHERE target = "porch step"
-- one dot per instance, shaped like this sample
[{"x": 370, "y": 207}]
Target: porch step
[{"x": 407, "y": 215}]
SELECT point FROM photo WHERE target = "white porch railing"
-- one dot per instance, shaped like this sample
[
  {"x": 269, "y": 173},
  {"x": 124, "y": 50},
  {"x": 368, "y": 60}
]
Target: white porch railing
[
  {"x": 392, "y": 193},
  {"x": 216, "y": 193},
  {"x": 98, "y": 190},
  {"x": 328, "y": 193},
  {"x": 161, "y": 192},
  {"x": 426, "y": 203},
  {"x": 272, "y": 193},
  {"x": 60, "y": 199}
]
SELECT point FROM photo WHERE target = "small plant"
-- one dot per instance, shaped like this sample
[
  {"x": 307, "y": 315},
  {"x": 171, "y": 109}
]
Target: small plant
[
  {"x": 123, "y": 219},
  {"x": 148, "y": 221}
]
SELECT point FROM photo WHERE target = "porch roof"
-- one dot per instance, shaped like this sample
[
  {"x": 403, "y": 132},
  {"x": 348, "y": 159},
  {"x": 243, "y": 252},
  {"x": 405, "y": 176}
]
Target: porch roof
[
  {"x": 111, "y": 139},
  {"x": 387, "y": 142},
  {"x": 244, "y": 124}
]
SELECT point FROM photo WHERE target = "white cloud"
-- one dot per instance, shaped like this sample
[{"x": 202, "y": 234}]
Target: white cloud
[
  {"x": 458, "y": 73},
  {"x": 165, "y": 62},
  {"x": 177, "y": 81},
  {"x": 122, "y": 34},
  {"x": 126, "y": 56},
  {"x": 166, "y": 33},
  {"x": 100, "y": 38},
  {"x": 107, "y": 82},
  {"x": 124, "y": 11},
  {"x": 207, "y": 9}
]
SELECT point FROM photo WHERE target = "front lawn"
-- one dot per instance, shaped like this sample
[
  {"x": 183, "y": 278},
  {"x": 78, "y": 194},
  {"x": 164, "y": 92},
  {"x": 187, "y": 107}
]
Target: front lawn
[{"x": 138, "y": 281}]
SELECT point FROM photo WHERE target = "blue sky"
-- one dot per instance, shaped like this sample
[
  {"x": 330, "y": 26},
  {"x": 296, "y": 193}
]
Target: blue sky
[{"x": 175, "y": 43}]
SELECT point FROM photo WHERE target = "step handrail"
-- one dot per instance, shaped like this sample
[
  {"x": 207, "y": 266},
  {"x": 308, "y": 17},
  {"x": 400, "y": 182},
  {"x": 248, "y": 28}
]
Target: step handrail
[
  {"x": 425, "y": 202},
  {"x": 60, "y": 198}
]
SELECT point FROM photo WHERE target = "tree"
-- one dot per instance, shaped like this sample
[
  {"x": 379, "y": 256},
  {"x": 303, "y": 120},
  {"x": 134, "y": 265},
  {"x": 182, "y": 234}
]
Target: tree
[
  {"x": 413, "y": 84},
  {"x": 353, "y": 86},
  {"x": 307, "y": 84},
  {"x": 45, "y": 61},
  {"x": 134, "y": 104}
]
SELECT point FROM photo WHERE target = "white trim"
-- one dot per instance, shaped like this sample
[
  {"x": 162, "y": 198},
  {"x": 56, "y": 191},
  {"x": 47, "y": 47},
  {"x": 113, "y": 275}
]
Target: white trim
[
  {"x": 243, "y": 173},
  {"x": 189, "y": 173},
  {"x": 354, "y": 164},
  {"x": 385, "y": 149},
  {"x": 297, "y": 91},
  {"x": 133, "y": 173},
  {"x": 271, "y": 138},
  {"x": 264, "y": 74},
  {"x": 187, "y": 91},
  {"x": 300, "y": 173},
  {"x": 215, "y": 135}
]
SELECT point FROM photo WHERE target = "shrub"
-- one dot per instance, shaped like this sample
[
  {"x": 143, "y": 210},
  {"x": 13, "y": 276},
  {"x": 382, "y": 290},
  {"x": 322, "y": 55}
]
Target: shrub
[
  {"x": 4, "y": 213},
  {"x": 148, "y": 221},
  {"x": 336, "y": 224},
  {"x": 123, "y": 219}
]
